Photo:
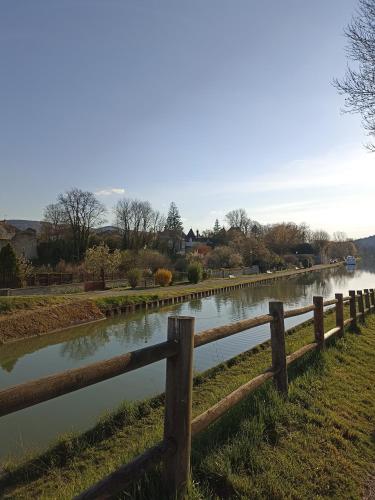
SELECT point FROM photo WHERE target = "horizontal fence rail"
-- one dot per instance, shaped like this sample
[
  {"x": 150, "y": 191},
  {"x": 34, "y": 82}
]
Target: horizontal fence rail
[
  {"x": 179, "y": 427},
  {"x": 221, "y": 332},
  {"x": 46, "y": 388}
]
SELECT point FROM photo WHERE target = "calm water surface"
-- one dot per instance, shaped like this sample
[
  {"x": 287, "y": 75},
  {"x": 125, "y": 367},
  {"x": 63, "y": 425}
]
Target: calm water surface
[{"x": 36, "y": 427}]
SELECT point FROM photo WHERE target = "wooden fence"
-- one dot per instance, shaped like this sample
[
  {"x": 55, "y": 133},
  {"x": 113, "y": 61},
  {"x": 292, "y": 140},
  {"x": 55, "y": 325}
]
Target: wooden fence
[{"x": 179, "y": 428}]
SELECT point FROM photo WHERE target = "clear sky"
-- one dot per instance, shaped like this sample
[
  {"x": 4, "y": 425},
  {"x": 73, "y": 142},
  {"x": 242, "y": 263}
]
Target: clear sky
[{"x": 213, "y": 104}]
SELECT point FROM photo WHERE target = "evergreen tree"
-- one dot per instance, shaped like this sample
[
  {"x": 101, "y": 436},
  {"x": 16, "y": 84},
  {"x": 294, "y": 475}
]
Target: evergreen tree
[
  {"x": 217, "y": 226},
  {"x": 8, "y": 265},
  {"x": 174, "y": 222}
]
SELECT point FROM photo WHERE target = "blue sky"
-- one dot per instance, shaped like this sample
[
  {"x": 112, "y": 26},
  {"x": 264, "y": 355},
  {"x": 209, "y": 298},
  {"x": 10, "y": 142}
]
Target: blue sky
[{"x": 213, "y": 104}]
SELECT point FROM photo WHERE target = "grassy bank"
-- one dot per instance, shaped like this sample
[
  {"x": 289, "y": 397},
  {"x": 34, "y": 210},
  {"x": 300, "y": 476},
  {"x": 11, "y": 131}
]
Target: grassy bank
[
  {"x": 122, "y": 296},
  {"x": 127, "y": 296},
  {"x": 10, "y": 305},
  {"x": 29, "y": 316},
  {"x": 319, "y": 443}
]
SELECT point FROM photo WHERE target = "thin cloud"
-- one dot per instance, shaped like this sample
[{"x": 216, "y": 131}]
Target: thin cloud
[
  {"x": 109, "y": 192},
  {"x": 333, "y": 170}
]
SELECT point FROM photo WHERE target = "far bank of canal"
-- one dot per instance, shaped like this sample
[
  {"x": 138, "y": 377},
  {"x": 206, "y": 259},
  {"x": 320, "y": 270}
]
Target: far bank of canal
[{"x": 37, "y": 357}]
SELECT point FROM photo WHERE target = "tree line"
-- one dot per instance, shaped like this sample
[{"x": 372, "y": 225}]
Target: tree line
[{"x": 71, "y": 227}]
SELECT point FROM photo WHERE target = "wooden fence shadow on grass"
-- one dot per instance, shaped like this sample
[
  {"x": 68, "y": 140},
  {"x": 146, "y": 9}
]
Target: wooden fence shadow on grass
[{"x": 63, "y": 451}]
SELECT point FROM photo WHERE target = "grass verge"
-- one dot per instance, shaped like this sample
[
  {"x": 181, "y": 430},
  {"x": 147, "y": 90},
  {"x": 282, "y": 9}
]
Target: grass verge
[
  {"x": 118, "y": 296},
  {"x": 14, "y": 304},
  {"x": 124, "y": 300},
  {"x": 317, "y": 444}
]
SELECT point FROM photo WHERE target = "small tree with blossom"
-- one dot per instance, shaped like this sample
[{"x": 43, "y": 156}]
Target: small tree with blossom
[
  {"x": 25, "y": 269},
  {"x": 100, "y": 260}
]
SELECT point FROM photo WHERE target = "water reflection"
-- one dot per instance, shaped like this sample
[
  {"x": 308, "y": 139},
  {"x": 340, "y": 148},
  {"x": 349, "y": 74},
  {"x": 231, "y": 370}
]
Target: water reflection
[
  {"x": 144, "y": 327},
  {"x": 44, "y": 355}
]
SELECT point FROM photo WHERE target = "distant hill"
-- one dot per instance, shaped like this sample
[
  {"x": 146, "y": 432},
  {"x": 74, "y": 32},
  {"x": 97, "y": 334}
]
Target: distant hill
[
  {"x": 23, "y": 224},
  {"x": 26, "y": 224},
  {"x": 106, "y": 229},
  {"x": 366, "y": 245}
]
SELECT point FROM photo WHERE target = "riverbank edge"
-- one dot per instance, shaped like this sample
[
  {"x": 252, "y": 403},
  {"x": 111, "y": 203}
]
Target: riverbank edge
[
  {"x": 113, "y": 303},
  {"x": 13, "y": 325},
  {"x": 61, "y": 459},
  {"x": 47, "y": 320}
]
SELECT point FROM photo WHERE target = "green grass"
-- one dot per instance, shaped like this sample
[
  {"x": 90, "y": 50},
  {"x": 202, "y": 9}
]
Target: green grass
[
  {"x": 317, "y": 444},
  {"x": 123, "y": 300},
  {"x": 13, "y": 304}
]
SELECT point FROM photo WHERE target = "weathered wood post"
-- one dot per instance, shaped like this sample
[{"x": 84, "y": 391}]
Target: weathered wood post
[
  {"x": 340, "y": 313},
  {"x": 372, "y": 298},
  {"x": 367, "y": 299},
  {"x": 279, "y": 366},
  {"x": 319, "y": 320},
  {"x": 178, "y": 400},
  {"x": 361, "y": 306},
  {"x": 353, "y": 308}
]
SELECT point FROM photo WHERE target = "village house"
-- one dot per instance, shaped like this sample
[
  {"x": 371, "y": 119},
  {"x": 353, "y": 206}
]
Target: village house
[
  {"x": 24, "y": 241},
  {"x": 194, "y": 240}
]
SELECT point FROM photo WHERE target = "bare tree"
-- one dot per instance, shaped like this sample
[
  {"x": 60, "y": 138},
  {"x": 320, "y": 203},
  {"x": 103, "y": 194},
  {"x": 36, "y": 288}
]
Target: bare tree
[
  {"x": 81, "y": 211},
  {"x": 239, "y": 219},
  {"x": 158, "y": 221},
  {"x": 53, "y": 221},
  {"x": 358, "y": 85},
  {"x": 282, "y": 237},
  {"x": 320, "y": 240},
  {"x": 138, "y": 222},
  {"x": 340, "y": 236},
  {"x": 123, "y": 213}
]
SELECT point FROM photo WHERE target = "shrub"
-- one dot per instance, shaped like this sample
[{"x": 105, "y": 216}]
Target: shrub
[
  {"x": 163, "y": 277},
  {"x": 181, "y": 264},
  {"x": 195, "y": 272},
  {"x": 128, "y": 261},
  {"x": 223, "y": 257},
  {"x": 307, "y": 262},
  {"x": 152, "y": 259},
  {"x": 291, "y": 260},
  {"x": 66, "y": 267},
  {"x": 134, "y": 275}
]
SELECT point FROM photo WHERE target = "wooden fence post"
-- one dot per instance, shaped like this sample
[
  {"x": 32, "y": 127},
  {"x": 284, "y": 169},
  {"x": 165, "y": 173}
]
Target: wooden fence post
[
  {"x": 319, "y": 320},
  {"x": 367, "y": 299},
  {"x": 279, "y": 365},
  {"x": 178, "y": 400},
  {"x": 353, "y": 308},
  {"x": 361, "y": 305},
  {"x": 340, "y": 313},
  {"x": 372, "y": 298}
]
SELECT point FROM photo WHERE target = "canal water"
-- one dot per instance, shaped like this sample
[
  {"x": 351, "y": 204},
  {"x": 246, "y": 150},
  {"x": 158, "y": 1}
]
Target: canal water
[{"x": 35, "y": 428}]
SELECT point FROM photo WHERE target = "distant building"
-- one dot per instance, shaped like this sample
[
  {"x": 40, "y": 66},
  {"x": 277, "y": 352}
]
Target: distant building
[
  {"x": 173, "y": 241},
  {"x": 194, "y": 240},
  {"x": 23, "y": 241}
]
